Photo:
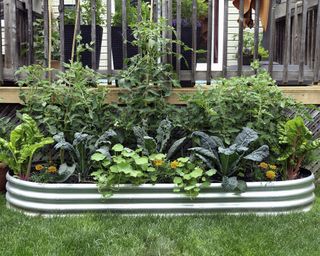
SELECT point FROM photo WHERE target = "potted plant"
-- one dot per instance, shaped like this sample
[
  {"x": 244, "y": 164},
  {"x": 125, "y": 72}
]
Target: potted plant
[
  {"x": 38, "y": 45},
  {"x": 85, "y": 30},
  {"x": 248, "y": 48}
]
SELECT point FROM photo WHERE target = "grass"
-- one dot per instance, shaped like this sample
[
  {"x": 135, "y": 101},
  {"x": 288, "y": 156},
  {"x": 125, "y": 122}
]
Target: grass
[{"x": 99, "y": 234}]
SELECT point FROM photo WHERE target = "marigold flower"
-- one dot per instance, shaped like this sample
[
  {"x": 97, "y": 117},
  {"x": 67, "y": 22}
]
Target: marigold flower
[
  {"x": 39, "y": 167},
  {"x": 263, "y": 165},
  {"x": 272, "y": 167},
  {"x": 174, "y": 164},
  {"x": 52, "y": 169},
  {"x": 158, "y": 162},
  {"x": 271, "y": 175}
]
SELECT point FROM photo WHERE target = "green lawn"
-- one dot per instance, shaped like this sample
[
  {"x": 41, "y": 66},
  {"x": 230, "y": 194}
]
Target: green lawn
[{"x": 98, "y": 234}]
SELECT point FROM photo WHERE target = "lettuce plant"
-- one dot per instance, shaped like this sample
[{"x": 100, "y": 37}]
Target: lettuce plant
[
  {"x": 226, "y": 160},
  {"x": 296, "y": 142},
  {"x": 25, "y": 140}
]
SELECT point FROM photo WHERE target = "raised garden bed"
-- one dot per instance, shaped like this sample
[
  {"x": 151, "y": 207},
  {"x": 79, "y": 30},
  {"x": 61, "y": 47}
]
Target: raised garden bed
[{"x": 276, "y": 197}]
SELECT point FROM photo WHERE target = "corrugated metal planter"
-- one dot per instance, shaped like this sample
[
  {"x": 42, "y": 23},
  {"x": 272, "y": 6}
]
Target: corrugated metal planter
[{"x": 260, "y": 198}]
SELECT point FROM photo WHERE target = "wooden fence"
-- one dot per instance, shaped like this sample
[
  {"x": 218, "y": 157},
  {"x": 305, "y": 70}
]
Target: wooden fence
[{"x": 293, "y": 38}]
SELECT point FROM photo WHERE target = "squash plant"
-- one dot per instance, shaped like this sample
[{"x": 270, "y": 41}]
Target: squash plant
[{"x": 25, "y": 140}]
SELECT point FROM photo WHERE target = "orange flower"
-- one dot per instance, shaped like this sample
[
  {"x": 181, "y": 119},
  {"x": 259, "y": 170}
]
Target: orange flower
[
  {"x": 271, "y": 175},
  {"x": 263, "y": 165},
  {"x": 39, "y": 167},
  {"x": 174, "y": 164},
  {"x": 52, "y": 169},
  {"x": 158, "y": 162}
]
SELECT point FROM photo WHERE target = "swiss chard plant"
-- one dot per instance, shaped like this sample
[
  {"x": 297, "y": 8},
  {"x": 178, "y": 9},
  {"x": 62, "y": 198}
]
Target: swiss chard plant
[
  {"x": 25, "y": 140},
  {"x": 296, "y": 143},
  {"x": 226, "y": 159},
  {"x": 80, "y": 152}
]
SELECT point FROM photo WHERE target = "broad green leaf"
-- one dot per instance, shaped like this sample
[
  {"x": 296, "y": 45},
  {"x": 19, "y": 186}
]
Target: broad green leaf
[
  {"x": 117, "y": 148},
  {"x": 196, "y": 173},
  {"x": 98, "y": 157}
]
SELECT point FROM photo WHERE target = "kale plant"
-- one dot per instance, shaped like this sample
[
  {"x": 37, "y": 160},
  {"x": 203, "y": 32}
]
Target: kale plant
[
  {"x": 80, "y": 152},
  {"x": 226, "y": 160}
]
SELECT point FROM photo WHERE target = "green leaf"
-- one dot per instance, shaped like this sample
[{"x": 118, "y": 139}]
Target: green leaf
[
  {"x": 196, "y": 173},
  {"x": 98, "y": 157},
  {"x": 211, "y": 172},
  {"x": 177, "y": 180},
  {"x": 141, "y": 160},
  {"x": 117, "y": 148}
]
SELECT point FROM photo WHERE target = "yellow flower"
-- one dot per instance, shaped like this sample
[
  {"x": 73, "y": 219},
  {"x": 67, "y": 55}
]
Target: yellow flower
[
  {"x": 174, "y": 164},
  {"x": 158, "y": 162},
  {"x": 271, "y": 175},
  {"x": 52, "y": 169},
  {"x": 39, "y": 167},
  {"x": 263, "y": 165},
  {"x": 273, "y": 167}
]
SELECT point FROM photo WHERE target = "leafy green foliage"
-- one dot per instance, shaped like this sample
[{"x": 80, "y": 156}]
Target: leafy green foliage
[
  {"x": 125, "y": 166},
  {"x": 82, "y": 148},
  {"x": 68, "y": 104},
  {"x": 186, "y": 10},
  {"x": 296, "y": 142},
  {"x": 158, "y": 144},
  {"x": 38, "y": 45},
  {"x": 6, "y": 126},
  {"x": 248, "y": 45},
  {"x": 70, "y": 13},
  {"x": 25, "y": 140},
  {"x": 133, "y": 167},
  {"x": 132, "y": 13},
  {"x": 190, "y": 177},
  {"x": 254, "y": 102},
  {"x": 146, "y": 81},
  {"x": 226, "y": 160}
]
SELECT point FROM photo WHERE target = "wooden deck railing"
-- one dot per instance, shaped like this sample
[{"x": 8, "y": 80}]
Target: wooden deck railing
[{"x": 293, "y": 38}]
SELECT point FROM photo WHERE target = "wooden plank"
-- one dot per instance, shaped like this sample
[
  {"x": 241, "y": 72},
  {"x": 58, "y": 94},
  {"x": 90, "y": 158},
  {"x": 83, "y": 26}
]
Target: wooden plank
[
  {"x": 256, "y": 29},
  {"x": 61, "y": 28},
  {"x": 93, "y": 34},
  {"x": 178, "y": 48},
  {"x": 317, "y": 48},
  {"x": 209, "y": 44},
  {"x": 304, "y": 94},
  {"x": 225, "y": 38},
  {"x": 139, "y": 10},
  {"x": 46, "y": 31},
  {"x": 30, "y": 31},
  {"x": 109, "y": 36},
  {"x": 295, "y": 35},
  {"x": 124, "y": 32},
  {"x": 194, "y": 40},
  {"x": 240, "y": 42},
  {"x": 164, "y": 10},
  {"x": 271, "y": 36},
  {"x": 1, "y": 56},
  {"x": 287, "y": 37},
  {"x": 170, "y": 21},
  {"x": 303, "y": 41}
]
